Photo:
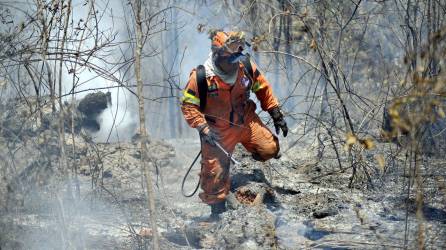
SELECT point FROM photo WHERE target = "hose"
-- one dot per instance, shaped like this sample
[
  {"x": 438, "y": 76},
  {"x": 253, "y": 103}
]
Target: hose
[
  {"x": 195, "y": 160},
  {"x": 185, "y": 177}
]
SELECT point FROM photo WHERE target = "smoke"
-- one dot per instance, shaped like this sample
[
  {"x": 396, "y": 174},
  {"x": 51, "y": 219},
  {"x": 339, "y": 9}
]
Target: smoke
[
  {"x": 64, "y": 223},
  {"x": 181, "y": 48},
  {"x": 49, "y": 218},
  {"x": 118, "y": 122},
  {"x": 170, "y": 57}
]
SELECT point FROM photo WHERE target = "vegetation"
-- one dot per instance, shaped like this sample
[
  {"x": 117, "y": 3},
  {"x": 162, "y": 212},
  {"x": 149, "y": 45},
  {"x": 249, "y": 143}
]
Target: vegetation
[{"x": 362, "y": 80}]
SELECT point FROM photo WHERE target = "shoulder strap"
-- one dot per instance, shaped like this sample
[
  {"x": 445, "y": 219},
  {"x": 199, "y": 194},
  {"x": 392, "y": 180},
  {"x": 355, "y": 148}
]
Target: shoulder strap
[
  {"x": 202, "y": 86},
  {"x": 246, "y": 61}
]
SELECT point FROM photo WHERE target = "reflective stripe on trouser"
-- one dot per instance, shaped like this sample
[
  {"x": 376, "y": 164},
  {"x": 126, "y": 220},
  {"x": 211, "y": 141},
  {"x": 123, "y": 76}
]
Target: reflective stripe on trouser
[{"x": 254, "y": 136}]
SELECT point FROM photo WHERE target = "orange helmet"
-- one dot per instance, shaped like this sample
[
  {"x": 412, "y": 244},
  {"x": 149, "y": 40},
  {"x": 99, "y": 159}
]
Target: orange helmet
[{"x": 231, "y": 41}]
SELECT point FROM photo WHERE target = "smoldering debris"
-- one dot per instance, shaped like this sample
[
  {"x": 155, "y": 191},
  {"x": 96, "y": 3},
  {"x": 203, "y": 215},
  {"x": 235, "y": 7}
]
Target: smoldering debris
[
  {"x": 42, "y": 207},
  {"x": 254, "y": 194},
  {"x": 91, "y": 106}
]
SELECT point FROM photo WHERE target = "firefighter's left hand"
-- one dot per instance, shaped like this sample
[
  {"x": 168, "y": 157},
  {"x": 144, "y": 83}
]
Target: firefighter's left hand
[{"x": 279, "y": 122}]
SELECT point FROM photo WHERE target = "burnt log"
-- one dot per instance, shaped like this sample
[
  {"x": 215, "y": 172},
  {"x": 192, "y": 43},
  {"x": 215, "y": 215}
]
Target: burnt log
[{"x": 91, "y": 106}]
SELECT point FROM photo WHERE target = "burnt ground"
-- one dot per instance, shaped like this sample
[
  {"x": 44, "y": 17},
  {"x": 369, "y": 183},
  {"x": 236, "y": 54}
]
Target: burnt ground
[
  {"x": 294, "y": 202},
  {"x": 307, "y": 204}
]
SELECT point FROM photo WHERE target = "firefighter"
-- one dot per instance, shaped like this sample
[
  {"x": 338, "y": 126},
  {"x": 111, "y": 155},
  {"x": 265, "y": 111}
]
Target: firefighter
[{"x": 223, "y": 113}]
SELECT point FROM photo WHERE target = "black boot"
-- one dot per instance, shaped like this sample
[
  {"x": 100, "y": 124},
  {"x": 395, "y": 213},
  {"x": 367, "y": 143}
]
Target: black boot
[{"x": 217, "y": 209}]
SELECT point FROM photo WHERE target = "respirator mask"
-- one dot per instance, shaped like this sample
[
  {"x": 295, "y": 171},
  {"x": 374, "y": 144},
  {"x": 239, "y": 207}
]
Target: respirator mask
[{"x": 228, "y": 57}]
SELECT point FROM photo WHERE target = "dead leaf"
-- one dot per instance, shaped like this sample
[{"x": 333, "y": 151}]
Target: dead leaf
[
  {"x": 313, "y": 44},
  {"x": 393, "y": 112},
  {"x": 201, "y": 27},
  {"x": 381, "y": 161},
  {"x": 368, "y": 143},
  {"x": 258, "y": 200},
  {"x": 145, "y": 232},
  {"x": 21, "y": 26},
  {"x": 440, "y": 112},
  {"x": 305, "y": 13},
  {"x": 350, "y": 139},
  {"x": 204, "y": 224}
]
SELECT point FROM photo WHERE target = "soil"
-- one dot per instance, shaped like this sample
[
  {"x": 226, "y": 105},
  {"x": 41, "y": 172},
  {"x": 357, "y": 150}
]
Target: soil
[{"x": 297, "y": 201}]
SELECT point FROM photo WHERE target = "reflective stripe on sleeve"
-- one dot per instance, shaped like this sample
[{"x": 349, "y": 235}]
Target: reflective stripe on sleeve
[
  {"x": 257, "y": 86},
  {"x": 189, "y": 98}
]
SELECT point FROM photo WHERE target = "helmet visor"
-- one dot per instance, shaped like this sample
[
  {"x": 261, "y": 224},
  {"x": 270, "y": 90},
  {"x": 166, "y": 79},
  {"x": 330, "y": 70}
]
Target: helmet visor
[{"x": 235, "y": 46}]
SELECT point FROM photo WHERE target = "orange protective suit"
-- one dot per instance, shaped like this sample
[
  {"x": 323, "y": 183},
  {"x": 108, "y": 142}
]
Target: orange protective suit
[{"x": 230, "y": 114}]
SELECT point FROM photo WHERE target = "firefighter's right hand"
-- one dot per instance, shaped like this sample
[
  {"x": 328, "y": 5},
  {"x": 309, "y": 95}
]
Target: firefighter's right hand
[{"x": 207, "y": 135}]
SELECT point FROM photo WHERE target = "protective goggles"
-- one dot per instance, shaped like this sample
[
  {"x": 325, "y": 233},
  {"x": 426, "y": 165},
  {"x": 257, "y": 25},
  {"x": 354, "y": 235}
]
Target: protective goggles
[{"x": 235, "y": 48}]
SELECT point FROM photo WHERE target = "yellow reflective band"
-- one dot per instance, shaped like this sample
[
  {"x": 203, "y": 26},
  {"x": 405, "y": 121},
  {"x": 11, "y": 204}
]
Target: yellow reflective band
[
  {"x": 257, "y": 86},
  {"x": 190, "y": 98}
]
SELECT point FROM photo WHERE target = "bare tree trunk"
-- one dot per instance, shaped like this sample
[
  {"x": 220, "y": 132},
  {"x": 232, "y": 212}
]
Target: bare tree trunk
[
  {"x": 421, "y": 239},
  {"x": 73, "y": 106},
  {"x": 63, "y": 158},
  {"x": 142, "y": 126},
  {"x": 45, "y": 41},
  {"x": 52, "y": 84},
  {"x": 63, "y": 162}
]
